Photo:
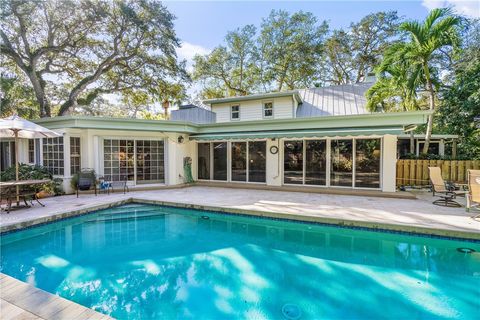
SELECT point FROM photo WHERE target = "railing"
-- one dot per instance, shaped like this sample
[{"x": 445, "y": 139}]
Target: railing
[{"x": 415, "y": 172}]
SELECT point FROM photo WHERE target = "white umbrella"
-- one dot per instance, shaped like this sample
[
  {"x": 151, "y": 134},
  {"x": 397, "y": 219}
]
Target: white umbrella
[{"x": 16, "y": 127}]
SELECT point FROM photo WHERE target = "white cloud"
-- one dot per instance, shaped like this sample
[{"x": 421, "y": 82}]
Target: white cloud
[
  {"x": 188, "y": 50},
  {"x": 469, "y": 8}
]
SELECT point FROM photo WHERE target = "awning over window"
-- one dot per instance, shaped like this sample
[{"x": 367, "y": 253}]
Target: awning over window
[{"x": 297, "y": 134}]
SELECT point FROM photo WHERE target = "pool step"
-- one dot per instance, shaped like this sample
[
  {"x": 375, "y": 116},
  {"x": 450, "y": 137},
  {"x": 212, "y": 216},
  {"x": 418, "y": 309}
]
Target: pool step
[{"x": 126, "y": 216}]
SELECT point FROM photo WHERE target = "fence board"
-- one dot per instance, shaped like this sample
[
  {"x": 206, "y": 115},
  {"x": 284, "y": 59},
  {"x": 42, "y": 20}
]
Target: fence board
[{"x": 415, "y": 172}]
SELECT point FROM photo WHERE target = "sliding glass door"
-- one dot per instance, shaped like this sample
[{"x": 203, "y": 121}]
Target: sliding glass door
[
  {"x": 219, "y": 161},
  {"x": 204, "y": 161},
  {"x": 367, "y": 163},
  {"x": 126, "y": 159},
  {"x": 341, "y": 168},
  {"x": 257, "y": 161},
  {"x": 239, "y": 161},
  {"x": 316, "y": 162},
  {"x": 293, "y": 162},
  {"x": 353, "y": 162}
]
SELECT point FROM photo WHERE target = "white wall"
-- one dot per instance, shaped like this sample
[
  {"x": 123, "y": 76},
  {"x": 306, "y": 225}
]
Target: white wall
[
  {"x": 389, "y": 163},
  {"x": 283, "y": 108},
  {"x": 274, "y": 166},
  {"x": 91, "y": 146}
]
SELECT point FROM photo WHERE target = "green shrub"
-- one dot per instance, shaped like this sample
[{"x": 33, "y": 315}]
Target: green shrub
[{"x": 28, "y": 172}]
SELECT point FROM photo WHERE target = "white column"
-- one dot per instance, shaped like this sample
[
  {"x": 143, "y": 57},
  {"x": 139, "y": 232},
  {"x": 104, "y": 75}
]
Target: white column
[
  {"x": 274, "y": 172},
  {"x": 389, "y": 163}
]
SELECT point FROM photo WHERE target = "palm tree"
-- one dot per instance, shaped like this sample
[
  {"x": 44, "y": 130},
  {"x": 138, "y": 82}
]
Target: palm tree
[{"x": 439, "y": 30}]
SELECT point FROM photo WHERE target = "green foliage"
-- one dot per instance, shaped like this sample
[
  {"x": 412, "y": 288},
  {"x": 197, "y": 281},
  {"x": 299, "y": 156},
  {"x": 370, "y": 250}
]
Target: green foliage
[
  {"x": 411, "y": 65},
  {"x": 72, "y": 52},
  {"x": 17, "y": 98},
  {"x": 231, "y": 68},
  {"x": 27, "y": 172},
  {"x": 460, "y": 102},
  {"x": 353, "y": 53},
  {"x": 291, "y": 45}
]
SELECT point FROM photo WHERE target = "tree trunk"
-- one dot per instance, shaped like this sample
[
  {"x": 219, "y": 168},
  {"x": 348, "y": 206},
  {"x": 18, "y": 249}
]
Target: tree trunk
[{"x": 431, "y": 92}]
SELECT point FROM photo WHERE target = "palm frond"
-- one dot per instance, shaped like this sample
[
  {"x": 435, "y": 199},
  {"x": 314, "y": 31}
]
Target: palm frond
[
  {"x": 415, "y": 29},
  {"x": 434, "y": 15}
]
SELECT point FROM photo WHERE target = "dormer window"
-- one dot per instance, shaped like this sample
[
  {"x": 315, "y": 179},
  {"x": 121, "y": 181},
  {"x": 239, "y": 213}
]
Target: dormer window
[
  {"x": 235, "y": 112},
  {"x": 268, "y": 109}
]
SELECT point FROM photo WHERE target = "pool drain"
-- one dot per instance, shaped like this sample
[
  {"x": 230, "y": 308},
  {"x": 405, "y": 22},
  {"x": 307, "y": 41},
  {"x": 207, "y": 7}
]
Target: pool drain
[
  {"x": 465, "y": 250},
  {"x": 291, "y": 311},
  {"x": 205, "y": 217}
]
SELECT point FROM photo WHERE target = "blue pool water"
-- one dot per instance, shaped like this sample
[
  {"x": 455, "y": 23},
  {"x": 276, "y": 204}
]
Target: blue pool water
[{"x": 151, "y": 262}]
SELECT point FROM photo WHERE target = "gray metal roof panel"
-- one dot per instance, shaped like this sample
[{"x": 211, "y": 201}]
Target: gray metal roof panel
[{"x": 347, "y": 99}]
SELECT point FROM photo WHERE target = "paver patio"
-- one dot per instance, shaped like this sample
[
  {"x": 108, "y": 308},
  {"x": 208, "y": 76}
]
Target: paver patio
[{"x": 418, "y": 215}]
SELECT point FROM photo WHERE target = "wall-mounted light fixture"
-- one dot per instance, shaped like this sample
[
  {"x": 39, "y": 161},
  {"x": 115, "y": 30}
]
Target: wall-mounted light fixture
[{"x": 181, "y": 139}]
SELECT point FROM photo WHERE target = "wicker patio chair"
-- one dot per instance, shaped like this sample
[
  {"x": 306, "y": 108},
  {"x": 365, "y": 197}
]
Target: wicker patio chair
[
  {"x": 439, "y": 188},
  {"x": 473, "y": 197}
]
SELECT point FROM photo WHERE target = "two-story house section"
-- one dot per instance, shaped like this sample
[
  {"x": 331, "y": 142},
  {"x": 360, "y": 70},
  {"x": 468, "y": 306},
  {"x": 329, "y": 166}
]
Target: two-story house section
[{"x": 277, "y": 105}]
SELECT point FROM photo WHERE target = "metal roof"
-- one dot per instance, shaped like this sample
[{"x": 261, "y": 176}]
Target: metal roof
[{"x": 340, "y": 100}]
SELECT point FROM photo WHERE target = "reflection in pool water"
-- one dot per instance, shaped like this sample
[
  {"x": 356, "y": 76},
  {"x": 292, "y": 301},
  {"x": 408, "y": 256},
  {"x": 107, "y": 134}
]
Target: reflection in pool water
[{"x": 145, "y": 262}]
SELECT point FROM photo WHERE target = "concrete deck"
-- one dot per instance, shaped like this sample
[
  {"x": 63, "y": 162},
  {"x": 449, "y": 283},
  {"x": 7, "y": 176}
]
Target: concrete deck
[
  {"x": 413, "y": 215},
  {"x": 19, "y": 300}
]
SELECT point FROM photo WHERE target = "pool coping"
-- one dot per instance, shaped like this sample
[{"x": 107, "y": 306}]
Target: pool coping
[
  {"x": 28, "y": 302},
  {"x": 345, "y": 223}
]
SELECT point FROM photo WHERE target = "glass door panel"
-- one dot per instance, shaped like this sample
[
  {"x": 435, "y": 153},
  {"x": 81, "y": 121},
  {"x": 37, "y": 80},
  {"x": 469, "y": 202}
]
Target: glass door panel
[
  {"x": 316, "y": 162},
  {"x": 150, "y": 161},
  {"x": 257, "y": 161},
  {"x": 220, "y": 161},
  {"x": 367, "y": 163},
  {"x": 293, "y": 162},
  {"x": 204, "y": 161},
  {"x": 239, "y": 161},
  {"x": 342, "y": 163}
]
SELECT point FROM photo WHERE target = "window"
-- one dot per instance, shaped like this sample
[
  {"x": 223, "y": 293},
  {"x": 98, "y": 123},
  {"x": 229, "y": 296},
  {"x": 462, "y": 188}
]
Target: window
[
  {"x": 74, "y": 155},
  {"x": 204, "y": 161},
  {"x": 53, "y": 155},
  {"x": 367, "y": 163},
  {"x": 31, "y": 150},
  {"x": 235, "y": 112},
  {"x": 268, "y": 110},
  {"x": 219, "y": 161},
  {"x": 293, "y": 162}
]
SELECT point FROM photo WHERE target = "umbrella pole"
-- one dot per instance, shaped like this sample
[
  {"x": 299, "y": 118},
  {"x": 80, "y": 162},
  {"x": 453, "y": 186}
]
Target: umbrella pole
[{"x": 16, "y": 166}]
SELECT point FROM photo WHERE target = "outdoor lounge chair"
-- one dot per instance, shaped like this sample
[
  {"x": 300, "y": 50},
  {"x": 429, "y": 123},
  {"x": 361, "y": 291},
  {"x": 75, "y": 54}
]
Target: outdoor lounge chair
[
  {"x": 86, "y": 180},
  {"x": 440, "y": 189},
  {"x": 473, "y": 197}
]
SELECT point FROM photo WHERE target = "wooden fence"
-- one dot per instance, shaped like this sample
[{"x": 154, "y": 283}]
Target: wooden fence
[{"x": 415, "y": 172}]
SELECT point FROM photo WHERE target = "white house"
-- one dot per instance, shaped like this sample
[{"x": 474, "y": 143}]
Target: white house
[{"x": 319, "y": 137}]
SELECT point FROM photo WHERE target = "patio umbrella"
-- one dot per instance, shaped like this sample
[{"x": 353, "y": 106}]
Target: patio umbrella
[{"x": 16, "y": 127}]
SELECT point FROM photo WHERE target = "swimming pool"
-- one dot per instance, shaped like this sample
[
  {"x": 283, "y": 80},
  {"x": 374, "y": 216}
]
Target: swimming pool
[{"x": 150, "y": 262}]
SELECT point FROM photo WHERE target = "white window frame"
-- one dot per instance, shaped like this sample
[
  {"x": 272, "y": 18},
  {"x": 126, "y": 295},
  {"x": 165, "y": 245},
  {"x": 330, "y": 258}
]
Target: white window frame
[
  {"x": 232, "y": 112},
  {"x": 263, "y": 109}
]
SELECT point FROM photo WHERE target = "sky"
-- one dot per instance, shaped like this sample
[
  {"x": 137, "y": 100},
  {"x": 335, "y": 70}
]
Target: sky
[{"x": 202, "y": 25}]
